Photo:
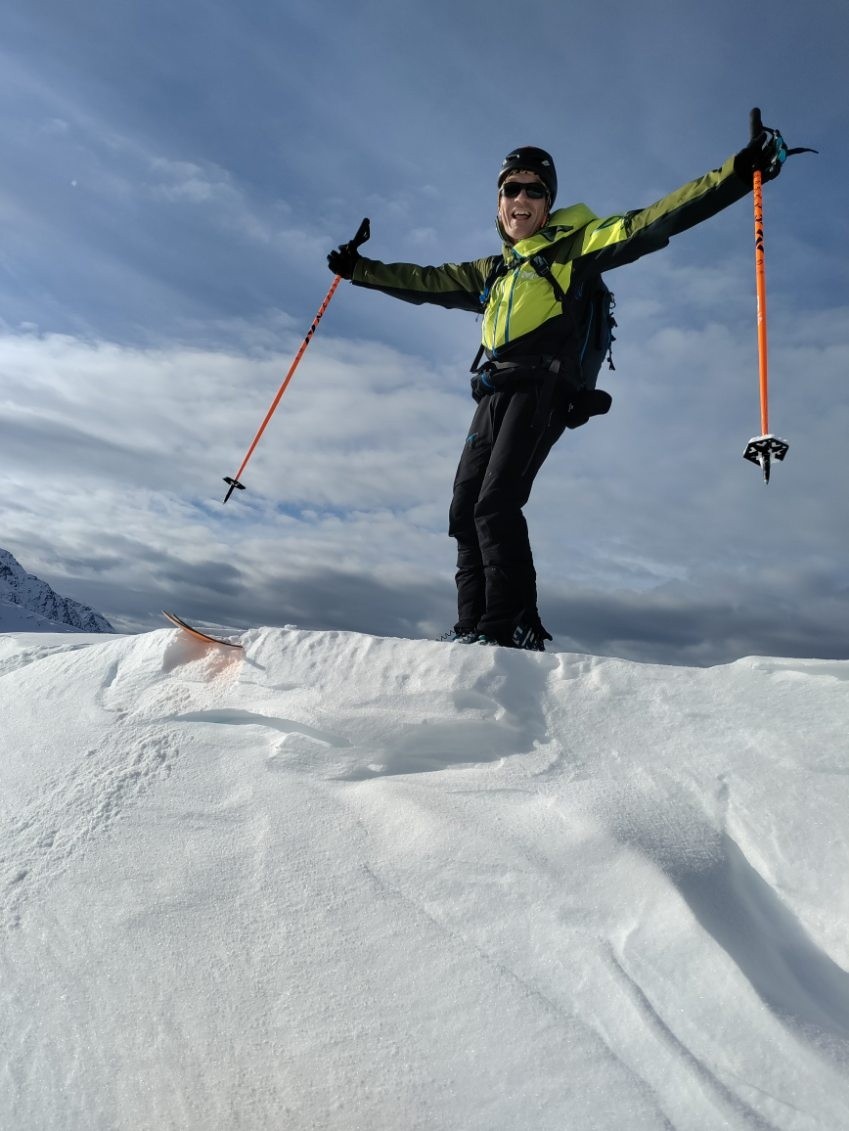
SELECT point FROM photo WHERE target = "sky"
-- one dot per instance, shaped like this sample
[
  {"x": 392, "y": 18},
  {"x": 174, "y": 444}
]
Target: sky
[
  {"x": 173, "y": 178},
  {"x": 333, "y": 881}
]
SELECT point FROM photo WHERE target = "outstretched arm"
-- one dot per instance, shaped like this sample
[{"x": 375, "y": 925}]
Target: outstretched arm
[
  {"x": 617, "y": 240},
  {"x": 453, "y": 285}
]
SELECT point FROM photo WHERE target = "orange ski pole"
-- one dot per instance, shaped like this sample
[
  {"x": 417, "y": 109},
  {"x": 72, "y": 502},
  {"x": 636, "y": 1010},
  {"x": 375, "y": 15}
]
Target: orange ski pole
[
  {"x": 235, "y": 484},
  {"x": 760, "y": 286},
  {"x": 762, "y": 449}
]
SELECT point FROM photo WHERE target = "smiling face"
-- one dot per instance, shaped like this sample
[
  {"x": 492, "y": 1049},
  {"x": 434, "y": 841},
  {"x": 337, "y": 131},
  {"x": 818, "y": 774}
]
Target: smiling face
[{"x": 520, "y": 216}]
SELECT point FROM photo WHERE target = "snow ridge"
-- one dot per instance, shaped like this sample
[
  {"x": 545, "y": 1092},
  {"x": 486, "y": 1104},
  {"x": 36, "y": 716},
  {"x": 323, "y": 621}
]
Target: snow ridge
[
  {"x": 336, "y": 881},
  {"x": 28, "y": 604}
]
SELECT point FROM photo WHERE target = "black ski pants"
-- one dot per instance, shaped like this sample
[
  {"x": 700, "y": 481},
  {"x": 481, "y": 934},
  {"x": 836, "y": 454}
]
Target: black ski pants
[{"x": 508, "y": 442}]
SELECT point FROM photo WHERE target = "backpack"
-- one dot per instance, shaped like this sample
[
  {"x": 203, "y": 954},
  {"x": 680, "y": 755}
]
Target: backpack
[{"x": 589, "y": 303}]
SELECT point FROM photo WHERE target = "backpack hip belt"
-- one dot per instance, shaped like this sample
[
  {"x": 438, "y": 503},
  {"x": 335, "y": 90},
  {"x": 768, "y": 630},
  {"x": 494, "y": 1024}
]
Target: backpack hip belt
[{"x": 505, "y": 376}]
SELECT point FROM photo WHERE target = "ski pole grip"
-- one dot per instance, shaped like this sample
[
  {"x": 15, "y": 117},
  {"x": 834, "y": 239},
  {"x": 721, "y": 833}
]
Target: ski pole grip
[
  {"x": 755, "y": 124},
  {"x": 363, "y": 233}
]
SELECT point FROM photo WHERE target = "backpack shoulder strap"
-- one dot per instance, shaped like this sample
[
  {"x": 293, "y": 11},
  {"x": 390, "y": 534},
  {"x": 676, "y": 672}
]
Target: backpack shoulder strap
[
  {"x": 540, "y": 264},
  {"x": 499, "y": 268}
]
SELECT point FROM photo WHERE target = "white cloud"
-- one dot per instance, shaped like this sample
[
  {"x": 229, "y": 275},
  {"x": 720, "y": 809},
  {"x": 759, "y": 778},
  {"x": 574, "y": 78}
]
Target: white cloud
[
  {"x": 201, "y": 214},
  {"x": 119, "y": 455},
  {"x": 115, "y": 456}
]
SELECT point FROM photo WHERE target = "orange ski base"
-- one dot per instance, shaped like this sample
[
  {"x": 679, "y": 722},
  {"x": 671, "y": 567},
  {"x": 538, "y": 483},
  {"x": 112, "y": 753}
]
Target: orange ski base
[{"x": 196, "y": 632}]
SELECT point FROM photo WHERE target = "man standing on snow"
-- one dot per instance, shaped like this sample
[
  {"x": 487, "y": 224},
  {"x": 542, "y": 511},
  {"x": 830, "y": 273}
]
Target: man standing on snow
[{"x": 530, "y": 387}]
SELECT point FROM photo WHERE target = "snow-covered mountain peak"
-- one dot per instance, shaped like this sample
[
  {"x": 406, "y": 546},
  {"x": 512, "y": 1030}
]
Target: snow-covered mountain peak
[{"x": 28, "y": 604}]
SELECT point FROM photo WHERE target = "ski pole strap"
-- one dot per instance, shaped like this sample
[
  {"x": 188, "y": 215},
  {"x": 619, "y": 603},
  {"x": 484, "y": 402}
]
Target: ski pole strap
[{"x": 756, "y": 128}]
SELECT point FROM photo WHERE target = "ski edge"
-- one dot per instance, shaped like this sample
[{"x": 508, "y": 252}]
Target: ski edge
[{"x": 178, "y": 622}]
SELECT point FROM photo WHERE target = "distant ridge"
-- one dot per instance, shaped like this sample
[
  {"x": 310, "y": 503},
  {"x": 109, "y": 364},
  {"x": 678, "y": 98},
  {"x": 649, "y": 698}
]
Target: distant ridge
[{"x": 28, "y": 604}]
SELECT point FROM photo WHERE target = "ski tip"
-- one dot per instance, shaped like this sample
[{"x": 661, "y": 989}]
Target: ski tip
[{"x": 178, "y": 622}]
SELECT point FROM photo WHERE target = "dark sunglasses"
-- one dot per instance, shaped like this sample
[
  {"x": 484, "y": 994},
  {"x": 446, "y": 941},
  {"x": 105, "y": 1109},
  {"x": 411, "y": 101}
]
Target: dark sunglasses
[{"x": 536, "y": 190}]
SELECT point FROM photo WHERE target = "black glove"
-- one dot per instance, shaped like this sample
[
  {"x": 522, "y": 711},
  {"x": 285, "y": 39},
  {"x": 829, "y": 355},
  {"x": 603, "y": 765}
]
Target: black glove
[
  {"x": 765, "y": 153},
  {"x": 343, "y": 260}
]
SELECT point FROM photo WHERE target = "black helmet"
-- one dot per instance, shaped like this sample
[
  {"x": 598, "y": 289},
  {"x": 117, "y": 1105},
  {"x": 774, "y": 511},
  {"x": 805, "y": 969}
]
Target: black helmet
[{"x": 535, "y": 161}]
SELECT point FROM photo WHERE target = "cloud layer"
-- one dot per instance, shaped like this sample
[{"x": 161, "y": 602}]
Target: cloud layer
[{"x": 167, "y": 206}]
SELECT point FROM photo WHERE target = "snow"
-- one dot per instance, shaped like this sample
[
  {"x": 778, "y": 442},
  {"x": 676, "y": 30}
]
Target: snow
[
  {"x": 338, "y": 882},
  {"x": 18, "y": 618}
]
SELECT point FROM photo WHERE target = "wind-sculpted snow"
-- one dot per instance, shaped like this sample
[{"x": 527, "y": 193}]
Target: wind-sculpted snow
[{"x": 337, "y": 881}]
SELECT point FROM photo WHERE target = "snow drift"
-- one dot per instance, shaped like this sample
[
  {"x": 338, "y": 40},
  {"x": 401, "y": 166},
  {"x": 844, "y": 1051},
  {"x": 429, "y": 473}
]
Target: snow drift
[{"x": 336, "y": 881}]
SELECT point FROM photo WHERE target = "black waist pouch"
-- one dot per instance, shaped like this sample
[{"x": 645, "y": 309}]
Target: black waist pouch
[{"x": 584, "y": 403}]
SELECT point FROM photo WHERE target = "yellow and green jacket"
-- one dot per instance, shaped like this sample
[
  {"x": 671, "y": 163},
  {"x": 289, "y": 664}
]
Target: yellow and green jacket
[{"x": 522, "y": 316}]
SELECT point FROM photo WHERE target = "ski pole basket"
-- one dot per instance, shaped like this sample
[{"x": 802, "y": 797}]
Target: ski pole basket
[{"x": 763, "y": 450}]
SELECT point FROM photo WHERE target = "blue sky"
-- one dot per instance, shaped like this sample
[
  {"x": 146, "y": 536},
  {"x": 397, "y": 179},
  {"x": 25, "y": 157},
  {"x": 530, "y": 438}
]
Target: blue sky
[{"x": 173, "y": 178}]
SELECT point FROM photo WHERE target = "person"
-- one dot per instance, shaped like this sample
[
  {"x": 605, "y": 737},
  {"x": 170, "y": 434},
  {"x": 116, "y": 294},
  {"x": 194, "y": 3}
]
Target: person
[{"x": 528, "y": 389}]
